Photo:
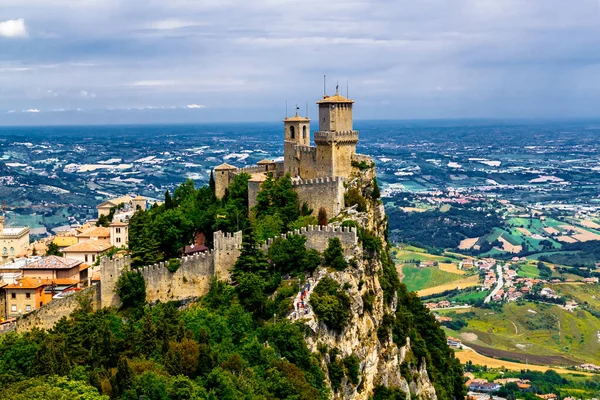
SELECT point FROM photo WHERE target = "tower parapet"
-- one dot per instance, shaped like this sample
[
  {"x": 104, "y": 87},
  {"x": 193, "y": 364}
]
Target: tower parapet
[{"x": 328, "y": 137}]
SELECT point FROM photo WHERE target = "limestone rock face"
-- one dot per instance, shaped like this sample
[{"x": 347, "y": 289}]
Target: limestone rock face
[{"x": 380, "y": 361}]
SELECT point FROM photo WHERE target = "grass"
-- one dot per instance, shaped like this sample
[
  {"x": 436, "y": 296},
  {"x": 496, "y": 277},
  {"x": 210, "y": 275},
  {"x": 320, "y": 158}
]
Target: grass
[
  {"x": 547, "y": 331},
  {"x": 416, "y": 278},
  {"x": 478, "y": 295},
  {"x": 528, "y": 271},
  {"x": 461, "y": 283},
  {"x": 585, "y": 293}
]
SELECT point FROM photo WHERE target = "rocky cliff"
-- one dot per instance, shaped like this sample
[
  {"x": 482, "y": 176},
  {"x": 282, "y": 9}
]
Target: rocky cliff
[{"x": 386, "y": 357}]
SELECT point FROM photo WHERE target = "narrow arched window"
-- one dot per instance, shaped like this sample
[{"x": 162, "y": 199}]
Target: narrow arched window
[
  {"x": 304, "y": 132},
  {"x": 292, "y": 133},
  {"x": 12, "y": 250}
]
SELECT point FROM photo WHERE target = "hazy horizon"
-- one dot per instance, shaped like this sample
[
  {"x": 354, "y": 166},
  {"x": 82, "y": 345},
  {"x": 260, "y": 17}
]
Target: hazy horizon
[{"x": 93, "y": 61}]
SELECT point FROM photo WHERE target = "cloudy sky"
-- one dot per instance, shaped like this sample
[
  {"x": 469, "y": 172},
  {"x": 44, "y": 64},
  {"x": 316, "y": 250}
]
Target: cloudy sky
[{"x": 78, "y": 61}]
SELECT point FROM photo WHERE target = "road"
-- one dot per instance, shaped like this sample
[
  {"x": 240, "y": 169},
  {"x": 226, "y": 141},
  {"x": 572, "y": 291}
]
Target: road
[{"x": 499, "y": 284}]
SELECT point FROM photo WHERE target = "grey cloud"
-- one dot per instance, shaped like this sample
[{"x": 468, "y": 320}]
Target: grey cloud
[{"x": 404, "y": 59}]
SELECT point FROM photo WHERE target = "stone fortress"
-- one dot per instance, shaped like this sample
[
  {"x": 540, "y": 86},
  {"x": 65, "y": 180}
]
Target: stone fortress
[
  {"x": 318, "y": 172},
  {"x": 319, "y": 175}
]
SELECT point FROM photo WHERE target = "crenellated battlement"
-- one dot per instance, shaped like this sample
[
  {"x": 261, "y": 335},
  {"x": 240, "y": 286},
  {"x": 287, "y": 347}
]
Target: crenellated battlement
[
  {"x": 318, "y": 181},
  {"x": 317, "y": 237},
  {"x": 253, "y": 169},
  {"x": 227, "y": 241},
  {"x": 336, "y": 136},
  {"x": 191, "y": 279}
]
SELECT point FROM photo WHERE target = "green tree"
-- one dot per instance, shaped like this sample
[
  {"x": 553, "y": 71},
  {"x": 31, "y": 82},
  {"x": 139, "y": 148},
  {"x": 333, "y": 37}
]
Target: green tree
[
  {"x": 182, "y": 357},
  {"x": 251, "y": 291},
  {"x": 169, "y": 203},
  {"x": 268, "y": 227},
  {"x": 53, "y": 250},
  {"x": 333, "y": 256},
  {"x": 354, "y": 197},
  {"x": 251, "y": 258},
  {"x": 103, "y": 221},
  {"x": 131, "y": 289},
  {"x": 376, "y": 193},
  {"x": 151, "y": 385},
  {"x": 211, "y": 182},
  {"x": 290, "y": 255},
  {"x": 331, "y": 304},
  {"x": 124, "y": 376}
]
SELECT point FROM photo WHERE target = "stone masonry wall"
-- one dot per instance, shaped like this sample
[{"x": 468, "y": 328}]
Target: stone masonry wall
[
  {"x": 48, "y": 315},
  {"x": 191, "y": 279},
  {"x": 227, "y": 247},
  {"x": 322, "y": 192},
  {"x": 317, "y": 237}
]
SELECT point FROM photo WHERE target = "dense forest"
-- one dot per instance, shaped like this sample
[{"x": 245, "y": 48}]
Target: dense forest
[
  {"x": 438, "y": 229},
  {"x": 236, "y": 341}
]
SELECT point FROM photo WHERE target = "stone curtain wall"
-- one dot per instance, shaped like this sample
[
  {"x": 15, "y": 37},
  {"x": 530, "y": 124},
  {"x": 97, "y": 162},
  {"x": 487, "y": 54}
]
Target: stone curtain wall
[
  {"x": 322, "y": 192},
  {"x": 51, "y": 313},
  {"x": 192, "y": 279},
  {"x": 317, "y": 237}
]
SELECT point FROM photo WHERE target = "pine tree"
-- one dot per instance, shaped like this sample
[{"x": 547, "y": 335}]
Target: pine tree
[
  {"x": 251, "y": 258},
  {"x": 168, "y": 201},
  {"x": 211, "y": 182}
]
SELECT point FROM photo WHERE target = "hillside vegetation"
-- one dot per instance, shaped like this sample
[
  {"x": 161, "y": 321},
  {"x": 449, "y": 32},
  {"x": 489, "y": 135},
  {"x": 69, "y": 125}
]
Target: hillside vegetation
[{"x": 235, "y": 342}]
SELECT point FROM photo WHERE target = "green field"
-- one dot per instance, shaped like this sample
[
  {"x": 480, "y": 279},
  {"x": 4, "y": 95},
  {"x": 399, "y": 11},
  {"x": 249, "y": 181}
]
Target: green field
[
  {"x": 416, "y": 278},
  {"x": 536, "y": 329},
  {"x": 528, "y": 271},
  {"x": 471, "y": 296},
  {"x": 582, "y": 294}
]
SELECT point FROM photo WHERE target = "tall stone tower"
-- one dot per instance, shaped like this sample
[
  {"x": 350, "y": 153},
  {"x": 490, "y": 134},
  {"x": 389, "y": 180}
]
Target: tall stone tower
[
  {"x": 335, "y": 139},
  {"x": 296, "y": 131}
]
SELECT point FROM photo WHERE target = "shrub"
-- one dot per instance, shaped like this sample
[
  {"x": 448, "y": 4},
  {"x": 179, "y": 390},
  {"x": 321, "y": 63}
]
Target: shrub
[
  {"x": 131, "y": 288},
  {"x": 330, "y": 304},
  {"x": 333, "y": 256},
  {"x": 354, "y": 197},
  {"x": 173, "y": 265},
  {"x": 376, "y": 193},
  {"x": 368, "y": 299},
  {"x": 352, "y": 364}
]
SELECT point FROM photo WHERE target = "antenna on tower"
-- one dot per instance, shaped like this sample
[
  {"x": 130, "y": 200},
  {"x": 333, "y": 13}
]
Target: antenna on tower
[
  {"x": 324, "y": 85},
  {"x": 337, "y": 87},
  {"x": 297, "y": 109}
]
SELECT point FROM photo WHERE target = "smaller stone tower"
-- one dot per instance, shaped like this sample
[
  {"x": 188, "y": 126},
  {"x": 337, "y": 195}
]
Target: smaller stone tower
[
  {"x": 223, "y": 175},
  {"x": 296, "y": 131}
]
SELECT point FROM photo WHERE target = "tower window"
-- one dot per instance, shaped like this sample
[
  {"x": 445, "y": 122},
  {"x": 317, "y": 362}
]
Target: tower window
[
  {"x": 292, "y": 132},
  {"x": 304, "y": 132}
]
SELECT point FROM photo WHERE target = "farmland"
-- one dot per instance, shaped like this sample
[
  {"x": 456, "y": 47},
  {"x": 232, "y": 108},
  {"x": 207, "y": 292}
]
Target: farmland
[{"x": 528, "y": 330}]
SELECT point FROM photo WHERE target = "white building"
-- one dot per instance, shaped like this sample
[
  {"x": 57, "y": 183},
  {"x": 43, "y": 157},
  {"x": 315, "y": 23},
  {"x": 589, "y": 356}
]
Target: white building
[{"x": 13, "y": 241}]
